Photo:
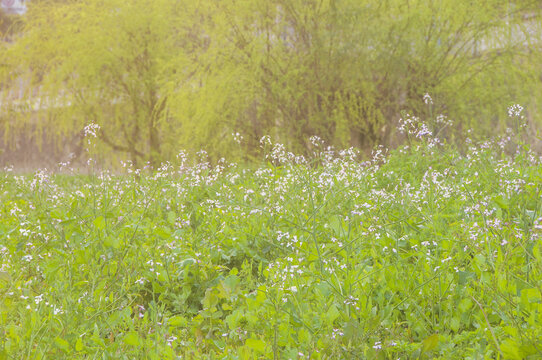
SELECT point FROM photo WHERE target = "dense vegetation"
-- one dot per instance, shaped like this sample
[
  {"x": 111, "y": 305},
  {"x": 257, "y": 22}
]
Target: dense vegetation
[
  {"x": 255, "y": 249},
  {"x": 162, "y": 75},
  {"x": 423, "y": 252}
]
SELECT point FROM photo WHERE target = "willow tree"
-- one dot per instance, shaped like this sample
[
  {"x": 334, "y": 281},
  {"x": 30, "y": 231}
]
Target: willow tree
[
  {"x": 6, "y": 23},
  {"x": 345, "y": 69},
  {"x": 168, "y": 74},
  {"x": 106, "y": 62}
]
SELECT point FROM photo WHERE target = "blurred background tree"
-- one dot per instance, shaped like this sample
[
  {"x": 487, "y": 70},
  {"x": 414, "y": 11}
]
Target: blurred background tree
[
  {"x": 344, "y": 70},
  {"x": 104, "y": 62},
  {"x": 167, "y": 75},
  {"x": 5, "y": 22}
]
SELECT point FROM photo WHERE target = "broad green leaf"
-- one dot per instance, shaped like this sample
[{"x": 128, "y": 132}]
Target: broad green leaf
[
  {"x": 177, "y": 321},
  {"x": 256, "y": 344},
  {"x": 112, "y": 241},
  {"x": 430, "y": 343},
  {"x": 163, "y": 232},
  {"x": 304, "y": 336},
  {"x": 132, "y": 338},
  {"x": 99, "y": 223},
  {"x": 79, "y": 344}
]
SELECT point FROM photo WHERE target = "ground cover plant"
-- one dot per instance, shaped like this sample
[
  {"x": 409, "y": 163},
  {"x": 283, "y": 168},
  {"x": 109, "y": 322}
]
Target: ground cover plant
[{"x": 425, "y": 251}]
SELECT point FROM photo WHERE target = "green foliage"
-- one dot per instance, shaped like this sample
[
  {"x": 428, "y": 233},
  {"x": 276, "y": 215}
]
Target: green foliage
[
  {"x": 425, "y": 252},
  {"x": 107, "y": 62},
  {"x": 164, "y": 75}
]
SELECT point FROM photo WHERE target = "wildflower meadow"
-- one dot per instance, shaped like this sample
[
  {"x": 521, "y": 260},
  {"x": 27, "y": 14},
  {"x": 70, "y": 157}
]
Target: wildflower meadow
[{"x": 426, "y": 251}]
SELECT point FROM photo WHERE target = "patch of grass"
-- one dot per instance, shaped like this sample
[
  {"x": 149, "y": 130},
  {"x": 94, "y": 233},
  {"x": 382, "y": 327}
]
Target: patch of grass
[{"x": 423, "y": 252}]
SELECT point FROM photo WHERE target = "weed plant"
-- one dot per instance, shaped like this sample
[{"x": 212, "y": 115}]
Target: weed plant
[{"x": 421, "y": 252}]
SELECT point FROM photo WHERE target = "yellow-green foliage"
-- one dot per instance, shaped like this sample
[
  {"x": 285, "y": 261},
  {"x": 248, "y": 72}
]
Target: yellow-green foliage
[{"x": 159, "y": 76}]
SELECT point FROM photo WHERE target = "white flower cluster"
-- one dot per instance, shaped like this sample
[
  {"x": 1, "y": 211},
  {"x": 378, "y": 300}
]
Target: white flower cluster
[
  {"x": 515, "y": 110},
  {"x": 91, "y": 130},
  {"x": 427, "y": 99}
]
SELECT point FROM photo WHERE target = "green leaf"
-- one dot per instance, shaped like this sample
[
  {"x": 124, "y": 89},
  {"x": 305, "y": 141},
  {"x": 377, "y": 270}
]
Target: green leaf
[
  {"x": 511, "y": 350},
  {"x": 68, "y": 221},
  {"x": 465, "y": 277},
  {"x": 304, "y": 336},
  {"x": 332, "y": 313},
  {"x": 430, "y": 343},
  {"x": 336, "y": 225},
  {"x": 256, "y": 344},
  {"x": 79, "y": 344},
  {"x": 56, "y": 214},
  {"x": 486, "y": 277},
  {"x": 112, "y": 241},
  {"x": 62, "y": 344},
  {"x": 455, "y": 323},
  {"x": 177, "y": 321},
  {"x": 465, "y": 305},
  {"x": 480, "y": 260},
  {"x": 501, "y": 201},
  {"x": 171, "y": 217},
  {"x": 529, "y": 296},
  {"x": 132, "y": 338},
  {"x": 162, "y": 232},
  {"x": 230, "y": 284},
  {"x": 4, "y": 275},
  {"x": 352, "y": 330},
  {"x": 99, "y": 223}
]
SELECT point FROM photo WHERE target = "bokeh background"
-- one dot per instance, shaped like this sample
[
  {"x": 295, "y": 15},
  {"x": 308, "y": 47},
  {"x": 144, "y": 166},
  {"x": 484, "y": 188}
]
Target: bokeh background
[{"x": 169, "y": 75}]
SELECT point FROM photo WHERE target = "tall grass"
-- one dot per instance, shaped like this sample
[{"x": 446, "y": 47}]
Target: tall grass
[{"x": 420, "y": 252}]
